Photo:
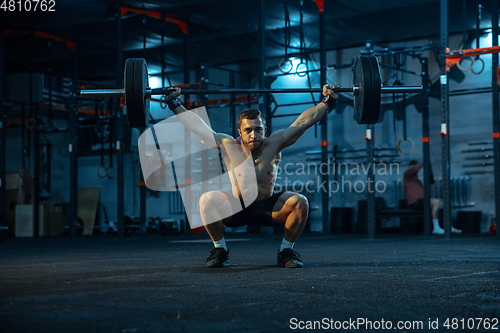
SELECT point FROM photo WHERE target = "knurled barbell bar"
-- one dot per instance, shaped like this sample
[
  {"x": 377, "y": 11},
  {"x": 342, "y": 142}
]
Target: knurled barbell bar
[{"x": 367, "y": 89}]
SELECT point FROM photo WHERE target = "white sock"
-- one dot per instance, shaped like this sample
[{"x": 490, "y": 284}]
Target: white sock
[
  {"x": 221, "y": 243},
  {"x": 435, "y": 223},
  {"x": 286, "y": 245}
]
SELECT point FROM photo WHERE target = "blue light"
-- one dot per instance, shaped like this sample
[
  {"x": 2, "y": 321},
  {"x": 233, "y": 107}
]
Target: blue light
[{"x": 154, "y": 82}]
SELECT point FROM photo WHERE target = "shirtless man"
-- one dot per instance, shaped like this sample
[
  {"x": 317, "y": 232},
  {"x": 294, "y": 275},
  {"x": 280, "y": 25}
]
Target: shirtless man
[{"x": 268, "y": 209}]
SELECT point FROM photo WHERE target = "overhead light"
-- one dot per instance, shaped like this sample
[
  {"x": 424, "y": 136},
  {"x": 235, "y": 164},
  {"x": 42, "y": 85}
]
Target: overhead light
[{"x": 155, "y": 82}]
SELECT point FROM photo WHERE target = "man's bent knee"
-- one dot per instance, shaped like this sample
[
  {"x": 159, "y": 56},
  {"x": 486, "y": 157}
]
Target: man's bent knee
[
  {"x": 299, "y": 201},
  {"x": 435, "y": 201},
  {"x": 209, "y": 199},
  {"x": 205, "y": 200}
]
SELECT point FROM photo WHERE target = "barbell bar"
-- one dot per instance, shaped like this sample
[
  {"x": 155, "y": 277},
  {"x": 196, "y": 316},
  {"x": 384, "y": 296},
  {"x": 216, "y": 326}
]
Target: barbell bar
[
  {"x": 109, "y": 93},
  {"x": 367, "y": 89}
]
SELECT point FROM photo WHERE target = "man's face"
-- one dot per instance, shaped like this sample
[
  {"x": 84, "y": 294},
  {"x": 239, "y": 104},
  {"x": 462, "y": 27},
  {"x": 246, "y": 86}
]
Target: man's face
[{"x": 252, "y": 132}]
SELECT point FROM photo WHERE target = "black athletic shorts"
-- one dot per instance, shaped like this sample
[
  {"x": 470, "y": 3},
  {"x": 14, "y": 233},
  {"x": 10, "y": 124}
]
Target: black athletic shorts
[
  {"x": 417, "y": 205},
  {"x": 259, "y": 212}
]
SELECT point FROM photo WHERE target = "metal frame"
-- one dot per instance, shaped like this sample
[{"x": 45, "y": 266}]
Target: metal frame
[
  {"x": 187, "y": 142},
  {"x": 325, "y": 207},
  {"x": 370, "y": 195},
  {"x": 496, "y": 116},
  {"x": 119, "y": 128},
  {"x": 445, "y": 115},
  {"x": 371, "y": 212},
  {"x": 262, "y": 68},
  {"x": 426, "y": 145},
  {"x": 72, "y": 109},
  {"x": 36, "y": 177},
  {"x": 2, "y": 125}
]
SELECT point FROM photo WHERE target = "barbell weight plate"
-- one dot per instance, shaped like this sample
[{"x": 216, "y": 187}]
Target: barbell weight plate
[
  {"x": 129, "y": 93},
  {"x": 374, "y": 112},
  {"x": 141, "y": 72},
  {"x": 362, "y": 82},
  {"x": 136, "y": 83}
]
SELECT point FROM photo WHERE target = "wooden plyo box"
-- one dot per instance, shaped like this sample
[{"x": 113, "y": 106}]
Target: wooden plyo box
[{"x": 18, "y": 191}]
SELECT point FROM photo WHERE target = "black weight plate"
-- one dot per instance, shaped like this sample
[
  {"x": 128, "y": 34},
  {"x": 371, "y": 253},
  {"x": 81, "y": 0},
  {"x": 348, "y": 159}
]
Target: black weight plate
[
  {"x": 132, "y": 112},
  {"x": 363, "y": 96},
  {"x": 141, "y": 83},
  {"x": 373, "y": 114},
  {"x": 136, "y": 82}
]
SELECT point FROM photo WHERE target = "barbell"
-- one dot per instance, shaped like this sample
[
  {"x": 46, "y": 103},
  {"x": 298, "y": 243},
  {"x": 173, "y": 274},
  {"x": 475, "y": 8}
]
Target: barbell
[{"x": 367, "y": 89}]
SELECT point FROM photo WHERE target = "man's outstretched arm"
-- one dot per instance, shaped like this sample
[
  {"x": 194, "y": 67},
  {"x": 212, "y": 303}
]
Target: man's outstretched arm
[
  {"x": 308, "y": 118},
  {"x": 194, "y": 123},
  {"x": 413, "y": 170}
]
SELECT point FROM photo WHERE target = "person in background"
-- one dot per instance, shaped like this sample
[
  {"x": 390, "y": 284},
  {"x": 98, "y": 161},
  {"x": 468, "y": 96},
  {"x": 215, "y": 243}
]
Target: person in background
[{"x": 414, "y": 192}]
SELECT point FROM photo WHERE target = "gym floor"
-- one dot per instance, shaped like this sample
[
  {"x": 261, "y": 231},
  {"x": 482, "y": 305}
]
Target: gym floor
[{"x": 160, "y": 284}]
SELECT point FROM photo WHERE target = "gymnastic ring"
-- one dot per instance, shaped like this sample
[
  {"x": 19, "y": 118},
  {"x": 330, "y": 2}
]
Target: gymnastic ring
[
  {"x": 482, "y": 68},
  {"x": 406, "y": 152},
  {"x": 301, "y": 73},
  {"x": 463, "y": 69},
  {"x": 31, "y": 123},
  {"x": 282, "y": 63},
  {"x": 111, "y": 174},
  {"x": 163, "y": 102},
  {"x": 102, "y": 171}
]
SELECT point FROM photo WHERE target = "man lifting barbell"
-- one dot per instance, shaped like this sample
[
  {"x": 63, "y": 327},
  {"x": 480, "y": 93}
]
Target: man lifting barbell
[
  {"x": 269, "y": 208},
  {"x": 284, "y": 208}
]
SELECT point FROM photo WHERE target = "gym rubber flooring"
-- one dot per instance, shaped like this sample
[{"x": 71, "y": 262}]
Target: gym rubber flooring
[{"x": 160, "y": 284}]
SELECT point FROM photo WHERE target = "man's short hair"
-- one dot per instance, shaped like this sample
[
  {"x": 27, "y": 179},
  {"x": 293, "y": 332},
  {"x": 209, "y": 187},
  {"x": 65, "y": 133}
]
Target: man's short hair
[
  {"x": 412, "y": 163},
  {"x": 250, "y": 113}
]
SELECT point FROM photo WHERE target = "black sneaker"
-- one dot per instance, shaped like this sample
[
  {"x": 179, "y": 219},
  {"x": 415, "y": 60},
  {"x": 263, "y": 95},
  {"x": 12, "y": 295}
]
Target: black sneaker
[
  {"x": 289, "y": 258},
  {"x": 218, "y": 258}
]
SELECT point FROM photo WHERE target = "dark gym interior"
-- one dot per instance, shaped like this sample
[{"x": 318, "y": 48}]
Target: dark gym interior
[{"x": 387, "y": 181}]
